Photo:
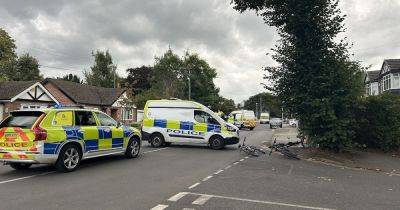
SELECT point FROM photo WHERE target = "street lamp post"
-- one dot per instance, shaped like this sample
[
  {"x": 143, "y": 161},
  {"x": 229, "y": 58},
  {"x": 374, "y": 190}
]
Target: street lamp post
[{"x": 189, "y": 84}]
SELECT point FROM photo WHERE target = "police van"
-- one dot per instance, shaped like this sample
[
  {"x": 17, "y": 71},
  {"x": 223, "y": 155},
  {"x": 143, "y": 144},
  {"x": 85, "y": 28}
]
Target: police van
[
  {"x": 179, "y": 121},
  {"x": 63, "y": 136},
  {"x": 243, "y": 119}
]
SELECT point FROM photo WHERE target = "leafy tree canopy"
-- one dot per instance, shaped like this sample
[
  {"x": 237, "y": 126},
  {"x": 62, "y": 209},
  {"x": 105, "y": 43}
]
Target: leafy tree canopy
[
  {"x": 316, "y": 80},
  {"x": 139, "y": 79},
  {"x": 8, "y": 56},
  {"x": 72, "y": 78},
  {"x": 27, "y": 68},
  {"x": 103, "y": 72}
]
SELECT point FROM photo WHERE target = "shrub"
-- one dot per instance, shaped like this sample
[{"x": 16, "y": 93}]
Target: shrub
[{"x": 378, "y": 122}]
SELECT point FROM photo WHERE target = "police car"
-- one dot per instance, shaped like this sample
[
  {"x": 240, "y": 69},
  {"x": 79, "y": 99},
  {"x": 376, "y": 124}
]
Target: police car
[
  {"x": 63, "y": 136},
  {"x": 243, "y": 119},
  {"x": 179, "y": 121}
]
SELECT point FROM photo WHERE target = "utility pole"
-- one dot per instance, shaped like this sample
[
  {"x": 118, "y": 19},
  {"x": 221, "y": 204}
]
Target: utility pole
[{"x": 190, "y": 88}]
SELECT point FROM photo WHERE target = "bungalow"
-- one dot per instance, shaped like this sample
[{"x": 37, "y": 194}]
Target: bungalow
[
  {"x": 18, "y": 95},
  {"x": 387, "y": 79},
  {"x": 112, "y": 101}
]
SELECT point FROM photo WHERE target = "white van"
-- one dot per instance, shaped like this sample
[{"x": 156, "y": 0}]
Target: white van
[
  {"x": 178, "y": 121},
  {"x": 264, "y": 118}
]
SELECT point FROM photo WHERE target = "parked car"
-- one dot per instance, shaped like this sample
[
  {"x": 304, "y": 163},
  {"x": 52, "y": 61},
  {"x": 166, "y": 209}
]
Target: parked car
[
  {"x": 275, "y": 123},
  {"x": 179, "y": 121},
  {"x": 63, "y": 137}
]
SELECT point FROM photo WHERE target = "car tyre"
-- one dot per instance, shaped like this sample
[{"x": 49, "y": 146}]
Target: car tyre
[
  {"x": 251, "y": 128},
  {"x": 69, "y": 158},
  {"x": 133, "y": 148},
  {"x": 157, "y": 140},
  {"x": 20, "y": 166},
  {"x": 217, "y": 143}
]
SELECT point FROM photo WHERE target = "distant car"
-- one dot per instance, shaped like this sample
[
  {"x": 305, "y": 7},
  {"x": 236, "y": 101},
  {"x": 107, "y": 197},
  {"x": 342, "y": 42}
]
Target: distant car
[
  {"x": 293, "y": 122},
  {"x": 275, "y": 123}
]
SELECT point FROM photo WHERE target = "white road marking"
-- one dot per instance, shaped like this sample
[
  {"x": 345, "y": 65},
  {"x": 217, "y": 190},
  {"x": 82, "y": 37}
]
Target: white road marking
[
  {"x": 262, "y": 202},
  {"x": 219, "y": 171},
  {"x": 207, "y": 178},
  {"x": 201, "y": 200},
  {"x": 241, "y": 160},
  {"x": 195, "y": 185},
  {"x": 177, "y": 196},
  {"x": 246, "y": 157},
  {"x": 25, "y": 177},
  {"x": 290, "y": 170},
  {"x": 188, "y": 209},
  {"x": 154, "y": 150},
  {"x": 228, "y": 167},
  {"x": 235, "y": 163},
  {"x": 159, "y": 207}
]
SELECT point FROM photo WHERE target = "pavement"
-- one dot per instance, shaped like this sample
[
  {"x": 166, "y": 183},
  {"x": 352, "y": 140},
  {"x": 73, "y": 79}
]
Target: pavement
[{"x": 196, "y": 177}]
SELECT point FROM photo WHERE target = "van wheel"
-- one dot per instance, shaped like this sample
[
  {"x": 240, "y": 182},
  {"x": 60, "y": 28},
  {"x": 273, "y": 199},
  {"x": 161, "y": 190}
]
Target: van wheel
[
  {"x": 156, "y": 140},
  {"x": 20, "y": 166},
  {"x": 133, "y": 148},
  {"x": 69, "y": 158},
  {"x": 216, "y": 142}
]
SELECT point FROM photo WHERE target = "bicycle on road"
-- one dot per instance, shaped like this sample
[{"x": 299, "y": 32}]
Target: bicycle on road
[
  {"x": 250, "y": 149},
  {"x": 284, "y": 149}
]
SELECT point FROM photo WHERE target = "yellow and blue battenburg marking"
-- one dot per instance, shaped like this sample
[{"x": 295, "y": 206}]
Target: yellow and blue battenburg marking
[
  {"x": 94, "y": 138},
  {"x": 182, "y": 125}
]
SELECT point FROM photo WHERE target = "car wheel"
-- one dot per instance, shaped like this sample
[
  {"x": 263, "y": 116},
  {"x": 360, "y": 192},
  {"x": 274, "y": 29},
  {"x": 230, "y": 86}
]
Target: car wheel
[
  {"x": 251, "y": 128},
  {"x": 157, "y": 140},
  {"x": 216, "y": 142},
  {"x": 69, "y": 158},
  {"x": 20, "y": 166},
  {"x": 133, "y": 148}
]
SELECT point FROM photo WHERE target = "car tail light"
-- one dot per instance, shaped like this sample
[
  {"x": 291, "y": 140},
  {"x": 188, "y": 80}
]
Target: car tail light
[{"x": 40, "y": 133}]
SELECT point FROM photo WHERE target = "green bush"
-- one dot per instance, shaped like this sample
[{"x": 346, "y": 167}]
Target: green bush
[{"x": 378, "y": 122}]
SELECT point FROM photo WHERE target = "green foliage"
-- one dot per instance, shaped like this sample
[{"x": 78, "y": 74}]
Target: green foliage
[
  {"x": 378, "y": 122},
  {"x": 224, "y": 105},
  {"x": 268, "y": 101},
  {"x": 8, "y": 57},
  {"x": 316, "y": 80},
  {"x": 139, "y": 79},
  {"x": 169, "y": 78},
  {"x": 103, "y": 72},
  {"x": 27, "y": 68},
  {"x": 72, "y": 78}
]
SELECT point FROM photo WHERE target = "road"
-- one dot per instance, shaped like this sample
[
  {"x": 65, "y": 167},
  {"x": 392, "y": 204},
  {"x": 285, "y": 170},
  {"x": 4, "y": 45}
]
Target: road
[{"x": 196, "y": 177}]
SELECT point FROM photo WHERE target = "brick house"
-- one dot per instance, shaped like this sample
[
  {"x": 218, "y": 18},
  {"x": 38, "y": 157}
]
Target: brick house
[
  {"x": 112, "y": 101},
  {"x": 387, "y": 79},
  {"x": 17, "y": 95}
]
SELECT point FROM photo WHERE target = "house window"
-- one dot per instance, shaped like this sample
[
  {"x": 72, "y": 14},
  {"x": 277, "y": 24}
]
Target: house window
[
  {"x": 30, "y": 106},
  {"x": 396, "y": 81},
  {"x": 127, "y": 114},
  {"x": 387, "y": 82}
]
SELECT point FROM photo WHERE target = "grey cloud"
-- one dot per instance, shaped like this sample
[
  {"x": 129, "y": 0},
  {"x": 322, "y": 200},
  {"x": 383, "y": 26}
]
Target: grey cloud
[{"x": 64, "y": 33}]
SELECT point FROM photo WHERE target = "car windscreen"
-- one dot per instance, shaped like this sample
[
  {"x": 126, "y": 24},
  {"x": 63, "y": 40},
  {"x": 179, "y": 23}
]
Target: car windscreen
[{"x": 21, "y": 119}]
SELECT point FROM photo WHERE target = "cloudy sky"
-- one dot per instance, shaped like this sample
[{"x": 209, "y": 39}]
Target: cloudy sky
[{"x": 62, "y": 35}]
